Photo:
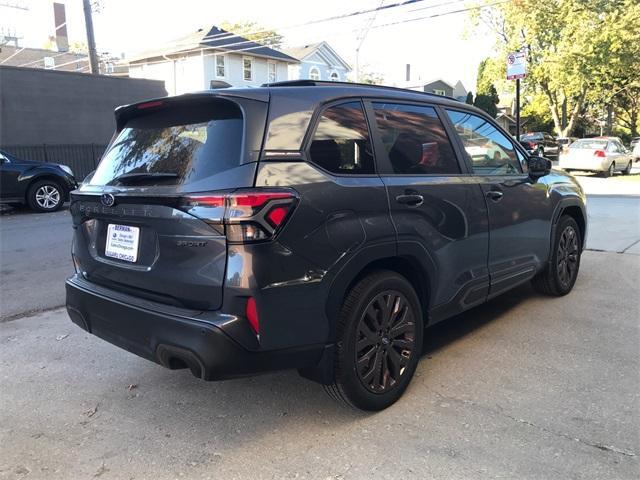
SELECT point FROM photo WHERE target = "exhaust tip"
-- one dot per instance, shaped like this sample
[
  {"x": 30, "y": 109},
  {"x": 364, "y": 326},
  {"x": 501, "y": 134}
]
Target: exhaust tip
[{"x": 176, "y": 358}]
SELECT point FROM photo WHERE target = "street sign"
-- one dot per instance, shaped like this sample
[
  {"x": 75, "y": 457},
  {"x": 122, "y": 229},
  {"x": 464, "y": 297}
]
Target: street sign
[{"x": 516, "y": 65}]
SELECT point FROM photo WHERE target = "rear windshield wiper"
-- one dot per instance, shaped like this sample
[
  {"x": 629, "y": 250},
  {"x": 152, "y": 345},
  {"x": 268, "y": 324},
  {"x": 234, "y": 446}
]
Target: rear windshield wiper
[{"x": 136, "y": 177}]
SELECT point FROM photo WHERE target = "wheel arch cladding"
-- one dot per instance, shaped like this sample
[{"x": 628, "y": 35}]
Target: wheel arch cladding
[{"x": 407, "y": 267}]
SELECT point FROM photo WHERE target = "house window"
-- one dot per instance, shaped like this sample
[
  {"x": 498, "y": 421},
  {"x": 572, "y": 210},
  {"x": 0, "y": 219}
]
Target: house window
[
  {"x": 247, "y": 68},
  {"x": 220, "y": 65},
  {"x": 273, "y": 72},
  {"x": 49, "y": 62},
  {"x": 334, "y": 77},
  {"x": 314, "y": 73},
  {"x": 439, "y": 92}
]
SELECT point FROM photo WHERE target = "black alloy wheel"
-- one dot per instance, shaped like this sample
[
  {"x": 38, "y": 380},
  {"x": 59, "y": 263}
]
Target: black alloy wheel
[
  {"x": 385, "y": 340},
  {"x": 379, "y": 341},
  {"x": 560, "y": 274},
  {"x": 567, "y": 256}
]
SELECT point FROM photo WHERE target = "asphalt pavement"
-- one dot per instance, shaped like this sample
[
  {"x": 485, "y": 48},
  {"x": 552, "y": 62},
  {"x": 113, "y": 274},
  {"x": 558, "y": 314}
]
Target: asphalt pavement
[
  {"x": 523, "y": 387},
  {"x": 526, "y": 387},
  {"x": 35, "y": 260}
]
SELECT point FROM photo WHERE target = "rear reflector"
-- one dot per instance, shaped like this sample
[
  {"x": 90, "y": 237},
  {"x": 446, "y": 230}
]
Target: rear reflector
[
  {"x": 252, "y": 315},
  {"x": 599, "y": 154}
]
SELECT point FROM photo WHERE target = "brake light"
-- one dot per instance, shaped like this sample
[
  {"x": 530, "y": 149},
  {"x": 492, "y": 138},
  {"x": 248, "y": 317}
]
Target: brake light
[
  {"x": 599, "y": 154},
  {"x": 156, "y": 103},
  {"x": 245, "y": 215}
]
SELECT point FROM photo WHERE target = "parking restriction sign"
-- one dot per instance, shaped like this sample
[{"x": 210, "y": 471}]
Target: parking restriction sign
[{"x": 516, "y": 65}]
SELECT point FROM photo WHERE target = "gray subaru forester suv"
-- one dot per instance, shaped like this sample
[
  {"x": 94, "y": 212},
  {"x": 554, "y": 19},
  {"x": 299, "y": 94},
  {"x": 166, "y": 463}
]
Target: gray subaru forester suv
[{"x": 311, "y": 225}]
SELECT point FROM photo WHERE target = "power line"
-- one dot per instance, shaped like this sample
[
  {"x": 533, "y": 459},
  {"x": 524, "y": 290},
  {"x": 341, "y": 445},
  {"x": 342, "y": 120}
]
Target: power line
[
  {"x": 241, "y": 50},
  {"x": 227, "y": 35}
]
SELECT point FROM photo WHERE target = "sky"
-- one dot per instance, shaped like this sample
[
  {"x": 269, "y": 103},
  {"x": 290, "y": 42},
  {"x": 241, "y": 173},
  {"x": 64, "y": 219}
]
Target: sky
[{"x": 441, "y": 47}]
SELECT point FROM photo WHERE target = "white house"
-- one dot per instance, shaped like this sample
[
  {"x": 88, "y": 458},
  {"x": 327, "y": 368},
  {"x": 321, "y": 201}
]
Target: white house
[
  {"x": 204, "y": 58},
  {"x": 318, "y": 61}
]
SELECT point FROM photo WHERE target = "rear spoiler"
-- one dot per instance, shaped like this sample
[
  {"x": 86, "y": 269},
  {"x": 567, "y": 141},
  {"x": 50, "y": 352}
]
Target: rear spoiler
[{"x": 124, "y": 113}]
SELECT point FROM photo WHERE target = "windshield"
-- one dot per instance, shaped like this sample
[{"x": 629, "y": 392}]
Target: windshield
[
  {"x": 174, "y": 146},
  {"x": 590, "y": 144}
]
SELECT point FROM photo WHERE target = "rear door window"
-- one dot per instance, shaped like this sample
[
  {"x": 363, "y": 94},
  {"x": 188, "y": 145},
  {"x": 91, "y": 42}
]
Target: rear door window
[
  {"x": 177, "y": 145},
  {"x": 415, "y": 140},
  {"x": 491, "y": 152},
  {"x": 341, "y": 142}
]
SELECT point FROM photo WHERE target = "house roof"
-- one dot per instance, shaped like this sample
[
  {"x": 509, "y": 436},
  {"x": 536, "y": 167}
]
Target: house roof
[
  {"x": 34, "y": 58},
  {"x": 218, "y": 39},
  {"x": 324, "y": 49}
]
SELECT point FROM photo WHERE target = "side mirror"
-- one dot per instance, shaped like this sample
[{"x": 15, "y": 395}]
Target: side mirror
[{"x": 538, "y": 166}]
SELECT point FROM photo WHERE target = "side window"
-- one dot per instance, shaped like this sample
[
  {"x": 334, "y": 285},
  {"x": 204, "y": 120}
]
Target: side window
[
  {"x": 491, "y": 152},
  {"x": 415, "y": 139},
  {"x": 341, "y": 142},
  {"x": 614, "y": 147}
]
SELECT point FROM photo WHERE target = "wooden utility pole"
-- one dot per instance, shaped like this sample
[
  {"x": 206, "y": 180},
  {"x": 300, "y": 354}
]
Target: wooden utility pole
[{"x": 91, "y": 41}]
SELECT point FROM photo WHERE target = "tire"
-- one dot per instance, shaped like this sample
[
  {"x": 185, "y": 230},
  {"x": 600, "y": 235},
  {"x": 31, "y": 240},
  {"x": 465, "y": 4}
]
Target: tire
[
  {"x": 627, "y": 170},
  {"x": 610, "y": 171},
  {"x": 373, "y": 369},
  {"x": 45, "y": 196},
  {"x": 560, "y": 275}
]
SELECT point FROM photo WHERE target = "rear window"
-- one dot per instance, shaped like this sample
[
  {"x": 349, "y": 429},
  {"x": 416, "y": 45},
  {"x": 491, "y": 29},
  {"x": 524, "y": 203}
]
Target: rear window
[
  {"x": 590, "y": 144},
  {"x": 531, "y": 136},
  {"x": 178, "y": 145}
]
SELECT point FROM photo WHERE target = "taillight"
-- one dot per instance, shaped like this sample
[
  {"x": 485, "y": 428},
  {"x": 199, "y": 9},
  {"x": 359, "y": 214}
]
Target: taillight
[
  {"x": 245, "y": 215},
  {"x": 599, "y": 154}
]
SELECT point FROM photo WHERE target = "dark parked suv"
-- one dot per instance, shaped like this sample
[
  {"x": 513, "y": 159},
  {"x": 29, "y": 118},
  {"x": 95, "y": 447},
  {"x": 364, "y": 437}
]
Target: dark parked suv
[{"x": 313, "y": 226}]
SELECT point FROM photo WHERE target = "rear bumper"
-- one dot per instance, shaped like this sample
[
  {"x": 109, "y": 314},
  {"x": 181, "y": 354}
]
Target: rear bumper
[
  {"x": 587, "y": 164},
  {"x": 174, "y": 338}
]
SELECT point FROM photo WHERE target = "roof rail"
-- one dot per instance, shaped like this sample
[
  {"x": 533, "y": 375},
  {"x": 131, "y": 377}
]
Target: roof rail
[{"x": 328, "y": 83}]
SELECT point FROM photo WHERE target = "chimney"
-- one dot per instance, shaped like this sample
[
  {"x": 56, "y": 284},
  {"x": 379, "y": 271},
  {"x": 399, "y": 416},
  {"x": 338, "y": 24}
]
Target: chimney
[
  {"x": 408, "y": 72},
  {"x": 60, "y": 27}
]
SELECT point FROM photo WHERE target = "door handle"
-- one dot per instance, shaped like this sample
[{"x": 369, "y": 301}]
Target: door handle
[
  {"x": 494, "y": 195},
  {"x": 413, "y": 200}
]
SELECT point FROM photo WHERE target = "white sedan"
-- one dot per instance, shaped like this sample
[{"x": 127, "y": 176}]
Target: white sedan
[{"x": 604, "y": 155}]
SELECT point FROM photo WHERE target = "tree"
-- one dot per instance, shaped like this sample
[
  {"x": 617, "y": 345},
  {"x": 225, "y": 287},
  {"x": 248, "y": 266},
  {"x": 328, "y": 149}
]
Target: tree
[
  {"x": 469, "y": 99},
  {"x": 253, "y": 31},
  {"x": 488, "y": 101},
  {"x": 626, "y": 106},
  {"x": 579, "y": 51},
  {"x": 486, "y": 95}
]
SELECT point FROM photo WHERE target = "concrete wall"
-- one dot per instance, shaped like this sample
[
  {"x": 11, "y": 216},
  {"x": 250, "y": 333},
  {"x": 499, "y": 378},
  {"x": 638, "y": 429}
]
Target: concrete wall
[{"x": 48, "y": 107}]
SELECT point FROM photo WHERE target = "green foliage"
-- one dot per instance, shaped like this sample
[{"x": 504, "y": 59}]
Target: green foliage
[
  {"x": 469, "y": 99},
  {"x": 580, "y": 52},
  {"x": 253, "y": 31}
]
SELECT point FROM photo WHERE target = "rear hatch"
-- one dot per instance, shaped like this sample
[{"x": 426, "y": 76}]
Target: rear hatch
[{"x": 132, "y": 233}]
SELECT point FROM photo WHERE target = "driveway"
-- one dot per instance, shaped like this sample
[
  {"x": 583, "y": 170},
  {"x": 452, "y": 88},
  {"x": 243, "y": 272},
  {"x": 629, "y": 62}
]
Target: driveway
[
  {"x": 35, "y": 259},
  {"x": 523, "y": 387}
]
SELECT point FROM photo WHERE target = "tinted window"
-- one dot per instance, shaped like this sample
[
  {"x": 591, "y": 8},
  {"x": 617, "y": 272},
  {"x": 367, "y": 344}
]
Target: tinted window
[
  {"x": 341, "y": 142},
  {"x": 174, "y": 146},
  {"x": 491, "y": 152},
  {"x": 415, "y": 139}
]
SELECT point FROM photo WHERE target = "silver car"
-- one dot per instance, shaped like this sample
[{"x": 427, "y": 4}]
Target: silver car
[{"x": 604, "y": 155}]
